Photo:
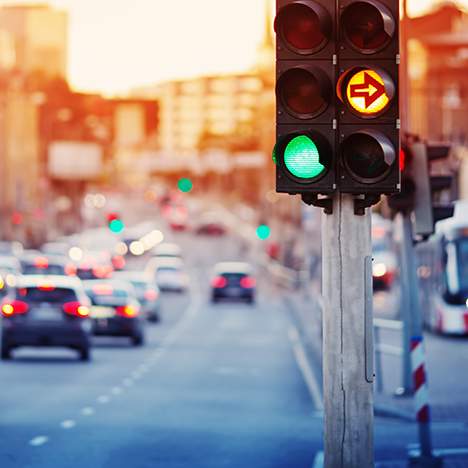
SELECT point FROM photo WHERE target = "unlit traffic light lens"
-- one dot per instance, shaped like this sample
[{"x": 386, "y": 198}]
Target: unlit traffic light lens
[
  {"x": 368, "y": 155},
  {"x": 305, "y": 29},
  {"x": 367, "y": 26},
  {"x": 303, "y": 93},
  {"x": 302, "y": 158}
]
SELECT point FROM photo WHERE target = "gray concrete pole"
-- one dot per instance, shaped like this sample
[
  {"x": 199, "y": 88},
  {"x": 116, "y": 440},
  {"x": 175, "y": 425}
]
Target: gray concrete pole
[{"x": 347, "y": 337}]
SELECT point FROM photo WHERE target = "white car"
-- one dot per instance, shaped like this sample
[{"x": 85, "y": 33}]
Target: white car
[
  {"x": 168, "y": 250},
  {"x": 168, "y": 273}
]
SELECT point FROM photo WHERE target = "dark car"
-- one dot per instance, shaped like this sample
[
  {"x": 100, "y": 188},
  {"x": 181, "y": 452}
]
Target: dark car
[
  {"x": 41, "y": 264},
  {"x": 46, "y": 311},
  {"x": 147, "y": 293},
  {"x": 233, "y": 280},
  {"x": 115, "y": 310},
  {"x": 95, "y": 265}
]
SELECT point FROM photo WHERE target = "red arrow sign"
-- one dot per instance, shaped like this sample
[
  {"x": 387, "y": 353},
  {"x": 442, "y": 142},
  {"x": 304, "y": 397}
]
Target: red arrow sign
[{"x": 363, "y": 90}]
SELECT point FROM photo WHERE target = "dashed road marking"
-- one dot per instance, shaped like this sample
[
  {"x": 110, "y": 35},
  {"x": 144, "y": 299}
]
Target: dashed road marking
[
  {"x": 128, "y": 382},
  {"x": 116, "y": 390},
  {"x": 318, "y": 460},
  {"x": 87, "y": 411},
  {"x": 38, "y": 441},
  {"x": 103, "y": 399},
  {"x": 68, "y": 424}
]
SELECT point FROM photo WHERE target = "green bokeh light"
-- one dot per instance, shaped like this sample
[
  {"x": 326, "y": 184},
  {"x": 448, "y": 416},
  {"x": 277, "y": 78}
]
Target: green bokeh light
[
  {"x": 263, "y": 231},
  {"x": 116, "y": 225},
  {"x": 185, "y": 185},
  {"x": 301, "y": 158}
]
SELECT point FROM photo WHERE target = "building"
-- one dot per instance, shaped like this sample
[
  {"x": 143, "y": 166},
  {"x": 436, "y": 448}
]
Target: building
[{"x": 39, "y": 33}]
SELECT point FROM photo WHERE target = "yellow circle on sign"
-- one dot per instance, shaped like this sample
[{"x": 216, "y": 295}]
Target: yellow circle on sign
[{"x": 366, "y": 92}]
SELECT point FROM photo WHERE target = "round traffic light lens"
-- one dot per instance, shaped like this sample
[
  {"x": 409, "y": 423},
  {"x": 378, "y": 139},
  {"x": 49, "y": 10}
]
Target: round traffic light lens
[
  {"x": 302, "y": 158},
  {"x": 301, "y": 93},
  {"x": 116, "y": 225},
  {"x": 368, "y": 156},
  {"x": 302, "y": 28},
  {"x": 368, "y": 27}
]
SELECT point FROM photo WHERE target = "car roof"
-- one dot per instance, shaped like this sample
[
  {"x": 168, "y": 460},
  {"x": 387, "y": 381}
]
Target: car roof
[
  {"x": 131, "y": 276},
  {"x": 233, "y": 267},
  {"x": 167, "y": 247},
  {"x": 59, "y": 281},
  {"x": 115, "y": 283}
]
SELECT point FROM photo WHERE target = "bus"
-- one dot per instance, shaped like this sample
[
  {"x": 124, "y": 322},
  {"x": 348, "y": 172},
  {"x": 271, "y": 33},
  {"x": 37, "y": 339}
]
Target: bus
[{"x": 443, "y": 275}]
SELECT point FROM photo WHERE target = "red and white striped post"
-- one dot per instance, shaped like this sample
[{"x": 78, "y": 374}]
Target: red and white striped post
[{"x": 421, "y": 396}]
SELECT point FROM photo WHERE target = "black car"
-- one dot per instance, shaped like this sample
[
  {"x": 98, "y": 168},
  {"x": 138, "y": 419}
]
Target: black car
[
  {"x": 233, "y": 280},
  {"x": 46, "y": 311},
  {"x": 115, "y": 310}
]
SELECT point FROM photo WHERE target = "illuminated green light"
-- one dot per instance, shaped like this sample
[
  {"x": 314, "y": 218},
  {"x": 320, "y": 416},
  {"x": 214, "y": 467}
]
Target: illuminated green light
[
  {"x": 301, "y": 158},
  {"x": 116, "y": 225},
  {"x": 185, "y": 185},
  {"x": 273, "y": 155},
  {"x": 263, "y": 231}
]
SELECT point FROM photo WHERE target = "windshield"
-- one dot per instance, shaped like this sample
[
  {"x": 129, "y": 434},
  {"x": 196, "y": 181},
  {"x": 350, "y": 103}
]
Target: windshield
[
  {"x": 116, "y": 297},
  {"x": 49, "y": 270},
  {"x": 47, "y": 294}
]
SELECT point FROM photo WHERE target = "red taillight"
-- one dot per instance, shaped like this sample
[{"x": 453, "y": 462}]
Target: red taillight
[
  {"x": 46, "y": 287},
  {"x": 70, "y": 269},
  {"x": 151, "y": 295},
  {"x": 41, "y": 262},
  {"x": 13, "y": 308},
  {"x": 118, "y": 262},
  {"x": 76, "y": 309},
  {"x": 127, "y": 311},
  {"x": 247, "y": 282},
  {"x": 219, "y": 282}
]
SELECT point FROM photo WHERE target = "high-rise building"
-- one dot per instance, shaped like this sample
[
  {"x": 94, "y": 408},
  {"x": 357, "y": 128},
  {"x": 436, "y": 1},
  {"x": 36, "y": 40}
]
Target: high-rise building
[{"x": 39, "y": 33}]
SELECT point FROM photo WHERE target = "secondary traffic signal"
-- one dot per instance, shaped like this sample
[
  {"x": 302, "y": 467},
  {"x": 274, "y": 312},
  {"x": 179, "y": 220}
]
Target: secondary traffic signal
[
  {"x": 114, "y": 222},
  {"x": 305, "y": 148},
  {"x": 428, "y": 209},
  {"x": 337, "y": 97},
  {"x": 367, "y": 89}
]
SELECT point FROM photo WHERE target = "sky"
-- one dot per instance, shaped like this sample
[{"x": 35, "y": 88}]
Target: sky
[{"x": 115, "y": 45}]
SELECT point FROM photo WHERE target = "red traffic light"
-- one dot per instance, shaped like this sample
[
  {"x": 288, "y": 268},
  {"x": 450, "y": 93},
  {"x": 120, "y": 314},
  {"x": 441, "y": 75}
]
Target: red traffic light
[
  {"x": 112, "y": 217},
  {"x": 304, "y": 26},
  {"x": 368, "y": 26},
  {"x": 305, "y": 92}
]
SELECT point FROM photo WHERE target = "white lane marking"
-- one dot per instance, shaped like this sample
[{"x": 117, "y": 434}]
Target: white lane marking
[
  {"x": 38, "y": 441},
  {"x": 416, "y": 452},
  {"x": 68, "y": 424},
  {"x": 135, "y": 375},
  {"x": 128, "y": 382},
  {"x": 305, "y": 368},
  {"x": 116, "y": 390},
  {"x": 143, "y": 368},
  {"x": 87, "y": 411},
  {"x": 318, "y": 460},
  {"x": 103, "y": 399}
]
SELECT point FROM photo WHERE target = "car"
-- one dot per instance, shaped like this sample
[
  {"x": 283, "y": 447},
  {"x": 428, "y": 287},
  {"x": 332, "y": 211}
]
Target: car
[
  {"x": 42, "y": 264},
  {"x": 210, "y": 224},
  {"x": 46, "y": 311},
  {"x": 147, "y": 292},
  {"x": 10, "y": 264},
  {"x": 166, "y": 249},
  {"x": 233, "y": 280},
  {"x": 168, "y": 273},
  {"x": 115, "y": 310},
  {"x": 94, "y": 265}
]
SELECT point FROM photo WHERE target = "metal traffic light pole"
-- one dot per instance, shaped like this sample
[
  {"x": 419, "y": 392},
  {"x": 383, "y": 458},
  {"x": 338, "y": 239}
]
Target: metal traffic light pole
[{"x": 347, "y": 336}]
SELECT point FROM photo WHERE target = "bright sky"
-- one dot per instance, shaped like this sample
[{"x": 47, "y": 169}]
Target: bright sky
[{"x": 118, "y": 44}]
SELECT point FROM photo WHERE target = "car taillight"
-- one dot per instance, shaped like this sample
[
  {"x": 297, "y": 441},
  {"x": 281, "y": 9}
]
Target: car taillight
[
  {"x": 219, "y": 282},
  {"x": 151, "y": 295},
  {"x": 127, "y": 311},
  {"x": 70, "y": 269},
  {"x": 247, "y": 282},
  {"x": 41, "y": 262},
  {"x": 76, "y": 309},
  {"x": 118, "y": 262},
  {"x": 13, "y": 308}
]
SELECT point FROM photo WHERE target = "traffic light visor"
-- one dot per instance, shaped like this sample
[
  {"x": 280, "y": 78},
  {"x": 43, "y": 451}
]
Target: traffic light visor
[
  {"x": 302, "y": 158},
  {"x": 304, "y": 92},
  {"x": 368, "y": 155},
  {"x": 304, "y": 27},
  {"x": 368, "y": 26}
]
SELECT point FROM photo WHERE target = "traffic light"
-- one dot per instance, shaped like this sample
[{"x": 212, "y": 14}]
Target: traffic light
[
  {"x": 337, "y": 105},
  {"x": 305, "y": 97},
  {"x": 428, "y": 210},
  {"x": 404, "y": 201},
  {"x": 114, "y": 222},
  {"x": 367, "y": 90}
]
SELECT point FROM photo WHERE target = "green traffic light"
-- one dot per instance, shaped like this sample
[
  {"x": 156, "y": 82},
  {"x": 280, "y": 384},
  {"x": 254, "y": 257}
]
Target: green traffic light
[
  {"x": 302, "y": 159},
  {"x": 116, "y": 225},
  {"x": 185, "y": 185},
  {"x": 263, "y": 232}
]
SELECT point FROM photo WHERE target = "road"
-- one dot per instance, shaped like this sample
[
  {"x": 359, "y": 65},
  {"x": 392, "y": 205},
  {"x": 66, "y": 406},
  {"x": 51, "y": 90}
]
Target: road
[{"x": 225, "y": 385}]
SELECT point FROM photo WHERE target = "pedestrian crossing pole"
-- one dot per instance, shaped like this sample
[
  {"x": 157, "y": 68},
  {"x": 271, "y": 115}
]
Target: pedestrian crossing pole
[{"x": 347, "y": 337}]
